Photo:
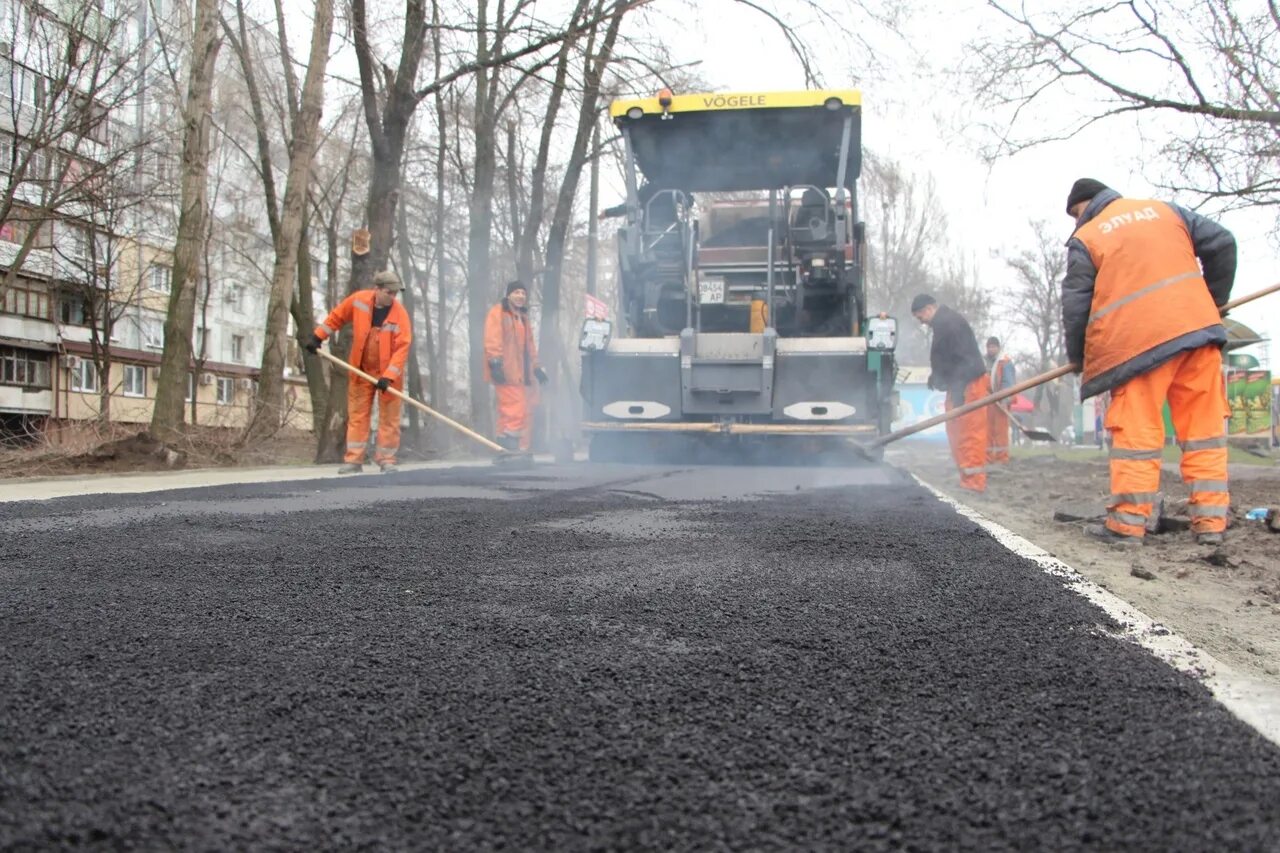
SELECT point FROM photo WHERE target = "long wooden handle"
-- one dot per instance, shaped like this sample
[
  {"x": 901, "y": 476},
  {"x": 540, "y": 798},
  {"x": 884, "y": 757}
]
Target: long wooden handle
[
  {"x": 1236, "y": 303},
  {"x": 492, "y": 445},
  {"x": 1028, "y": 384},
  {"x": 1002, "y": 394}
]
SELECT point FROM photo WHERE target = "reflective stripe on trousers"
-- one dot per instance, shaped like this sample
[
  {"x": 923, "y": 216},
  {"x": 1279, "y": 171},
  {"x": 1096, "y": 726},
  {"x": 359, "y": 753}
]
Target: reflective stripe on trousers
[
  {"x": 1191, "y": 382},
  {"x": 997, "y": 435},
  {"x": 967, "y": 436}
]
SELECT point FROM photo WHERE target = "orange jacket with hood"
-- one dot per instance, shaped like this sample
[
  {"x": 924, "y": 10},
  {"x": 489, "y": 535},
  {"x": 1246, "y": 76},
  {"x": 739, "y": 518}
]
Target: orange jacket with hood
[
  {"x": 394, "y": 336},
  {"x": 508, "y": 336}
]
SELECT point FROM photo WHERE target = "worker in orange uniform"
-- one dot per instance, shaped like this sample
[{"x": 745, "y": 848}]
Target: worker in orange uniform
[
  {"x": 380, "y": 347},
  {"x": 1001, "y": 375},
  {"x": 956, "y": 367},
  {"x": 511, "y": 364},
  {"x": 1140, "y": 308}
]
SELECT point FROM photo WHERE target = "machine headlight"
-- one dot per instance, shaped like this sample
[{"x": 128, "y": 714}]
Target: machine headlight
[
  {"x": 882, "y": 333},
  {"x": 595, "y": 335}
]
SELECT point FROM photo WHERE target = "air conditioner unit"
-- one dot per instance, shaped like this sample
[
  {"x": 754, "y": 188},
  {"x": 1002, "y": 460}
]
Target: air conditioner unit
[
  {"x": 245, "y": 384},
  {"x": 207, "y": 378},
  {"x": 155, "y": 373},
  {"x": 71, "y": 362}
]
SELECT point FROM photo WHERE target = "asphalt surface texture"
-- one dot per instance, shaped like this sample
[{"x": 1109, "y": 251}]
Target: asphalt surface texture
[{"x": 585, "y": 657}]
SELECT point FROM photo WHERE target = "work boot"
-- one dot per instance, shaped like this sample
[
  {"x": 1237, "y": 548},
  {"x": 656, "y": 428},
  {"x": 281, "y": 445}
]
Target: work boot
[
  {"x": 388, "y": 467},
  {"x": 351, "y": 468},
  {"x": 509, "y": 442},
  {"x": 1212, "y": 538},
  {"x": 1105, "y": 534}
]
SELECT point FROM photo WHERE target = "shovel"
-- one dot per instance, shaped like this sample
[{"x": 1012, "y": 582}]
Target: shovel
[
  {"x": 1026, "y": 385},
  {"x": 504, "y": 457},
  {"x": 1030, "y": 432}
]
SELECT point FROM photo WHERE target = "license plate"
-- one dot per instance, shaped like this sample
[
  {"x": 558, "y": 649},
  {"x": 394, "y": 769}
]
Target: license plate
[{"x": 711, "y": 291}]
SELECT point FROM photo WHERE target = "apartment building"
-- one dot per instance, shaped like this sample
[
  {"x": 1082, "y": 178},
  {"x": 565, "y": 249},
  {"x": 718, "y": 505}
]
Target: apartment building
[{"x": 85, "y": 243}]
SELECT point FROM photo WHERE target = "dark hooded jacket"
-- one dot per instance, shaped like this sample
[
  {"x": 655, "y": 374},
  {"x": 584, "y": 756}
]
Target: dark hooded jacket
[
  {"x": 954, "y": 358},
  {"x": 1213, "y": 245}
]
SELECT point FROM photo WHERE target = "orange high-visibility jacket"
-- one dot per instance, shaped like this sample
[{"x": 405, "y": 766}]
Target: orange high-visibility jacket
[
  {"x": 508, "y": 336},
  {"x": 394, "y": 337},
  {"x": 1134, "y": 295}
]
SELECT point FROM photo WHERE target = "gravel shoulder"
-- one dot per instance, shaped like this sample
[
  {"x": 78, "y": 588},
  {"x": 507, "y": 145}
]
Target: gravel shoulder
[{"x": 1227, "y": 601}]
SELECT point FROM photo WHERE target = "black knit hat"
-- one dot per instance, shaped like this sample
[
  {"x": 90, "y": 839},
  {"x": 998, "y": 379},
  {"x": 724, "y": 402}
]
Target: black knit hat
[
  {"x": 513, "y": 286},
  {"x": 1083, "y": 190},
  {"x": 922, "y": 300}
]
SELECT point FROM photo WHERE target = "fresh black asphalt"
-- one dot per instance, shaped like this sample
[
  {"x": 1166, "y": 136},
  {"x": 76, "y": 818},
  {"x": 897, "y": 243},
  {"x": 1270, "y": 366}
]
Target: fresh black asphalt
[{"x": 576, "y": 658}]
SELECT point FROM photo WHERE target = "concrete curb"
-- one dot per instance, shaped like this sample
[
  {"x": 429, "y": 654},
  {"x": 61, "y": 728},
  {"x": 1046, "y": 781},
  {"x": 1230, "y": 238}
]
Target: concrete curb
[
  {"x": 1255, "y": 702},
  {"x": 136, "y": 483}
]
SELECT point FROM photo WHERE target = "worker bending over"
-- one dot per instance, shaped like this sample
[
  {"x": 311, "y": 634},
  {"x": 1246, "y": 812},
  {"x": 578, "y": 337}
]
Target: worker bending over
[
  {"x": 956, "y": 367},
  {"x": 1141, "y": 317},
  {"x": 1002, "y": 375},
  {"x": 511, "y": 364},
  {"x": 380, "y": 347}
]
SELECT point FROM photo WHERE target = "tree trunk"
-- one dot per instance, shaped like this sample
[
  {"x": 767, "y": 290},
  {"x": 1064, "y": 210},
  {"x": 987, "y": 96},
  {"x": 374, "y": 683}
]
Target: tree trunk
[
  {"x": 557, "y": 236},
  {"x": 409, "y": 281},
  {"x": 528, "y": 238},
  {"x": 593, "y": 221},
  {"x": 304, "y": 320},
  {"x": 166, "y": 419},
  {"x": 440, "y": 368},
  {"x": 480, "y": 227},
  {"x": 269, "y": 406}
]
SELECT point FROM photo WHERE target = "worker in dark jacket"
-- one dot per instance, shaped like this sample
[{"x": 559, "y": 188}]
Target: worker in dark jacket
[
  {"x": 1141, "y": 318},
  {"x": 956, "y": 367}
]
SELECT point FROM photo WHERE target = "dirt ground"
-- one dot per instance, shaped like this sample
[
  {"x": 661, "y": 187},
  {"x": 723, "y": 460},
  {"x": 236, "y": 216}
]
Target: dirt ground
[
  {"x": 133, "y": 451},
  {"x": 1225, "y": 600}
]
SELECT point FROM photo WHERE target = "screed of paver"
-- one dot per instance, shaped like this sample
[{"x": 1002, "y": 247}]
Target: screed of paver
[{"x": 846, "y": 668}]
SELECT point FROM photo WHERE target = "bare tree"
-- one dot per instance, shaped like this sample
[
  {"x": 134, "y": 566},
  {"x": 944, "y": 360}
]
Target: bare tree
[
  {"x": 1208, "y": 71},
  {"x": 167, "y": 417},
  {"x": 1035, "y": 305},
  {"x": 269, "y": 404},
  {"x": 598, "y": 54}
]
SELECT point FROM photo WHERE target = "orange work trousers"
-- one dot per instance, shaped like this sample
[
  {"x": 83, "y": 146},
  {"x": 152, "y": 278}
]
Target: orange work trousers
[
  {"x": 967, "y": 436},
  {"x": 997, "y": 435},
  {"x": 360, "y": 396},
  {"x": 1192, "y": 384},
  {"x": 515, "y": 420}
]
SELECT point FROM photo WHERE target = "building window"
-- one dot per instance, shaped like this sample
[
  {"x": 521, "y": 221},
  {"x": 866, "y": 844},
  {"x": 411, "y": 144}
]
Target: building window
[
  {"x": 237, "y": 349},
  {"x": 135, "y": 380},
  {"x": 191, "y": 387},
  {"x": 153, "y": 334},
  {"x": 26, "y": 303},
  {"x": 72, "y": 310},
  {"x": 226, "y": 390},
  {"x": 84, "y": 376},
  {"x": 76, "y": 243},
  {"x": 24, "y": 367},
  {"x": 160, "y": 278},
  {"x": 235, "y": 297}
]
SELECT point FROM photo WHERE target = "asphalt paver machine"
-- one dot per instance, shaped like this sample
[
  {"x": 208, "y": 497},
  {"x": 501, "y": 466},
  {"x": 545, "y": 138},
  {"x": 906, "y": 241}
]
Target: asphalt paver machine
[{"x": 743, "y": 318}]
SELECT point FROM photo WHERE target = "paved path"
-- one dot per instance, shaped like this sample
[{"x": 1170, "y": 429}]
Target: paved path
[{"x": 585, "y": 657}]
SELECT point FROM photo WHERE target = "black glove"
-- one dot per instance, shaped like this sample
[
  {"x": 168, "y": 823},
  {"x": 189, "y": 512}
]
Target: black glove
[
  {"x": 495, "y": 371},
  {"x": 540, "y": 375},
  {"x": 314, "y": 344},
  {"x": 382, "y": 384}
]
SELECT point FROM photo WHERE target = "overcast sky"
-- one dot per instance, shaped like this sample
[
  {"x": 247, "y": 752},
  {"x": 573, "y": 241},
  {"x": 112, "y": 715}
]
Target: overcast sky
[{"x": 908, "y": 116}]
